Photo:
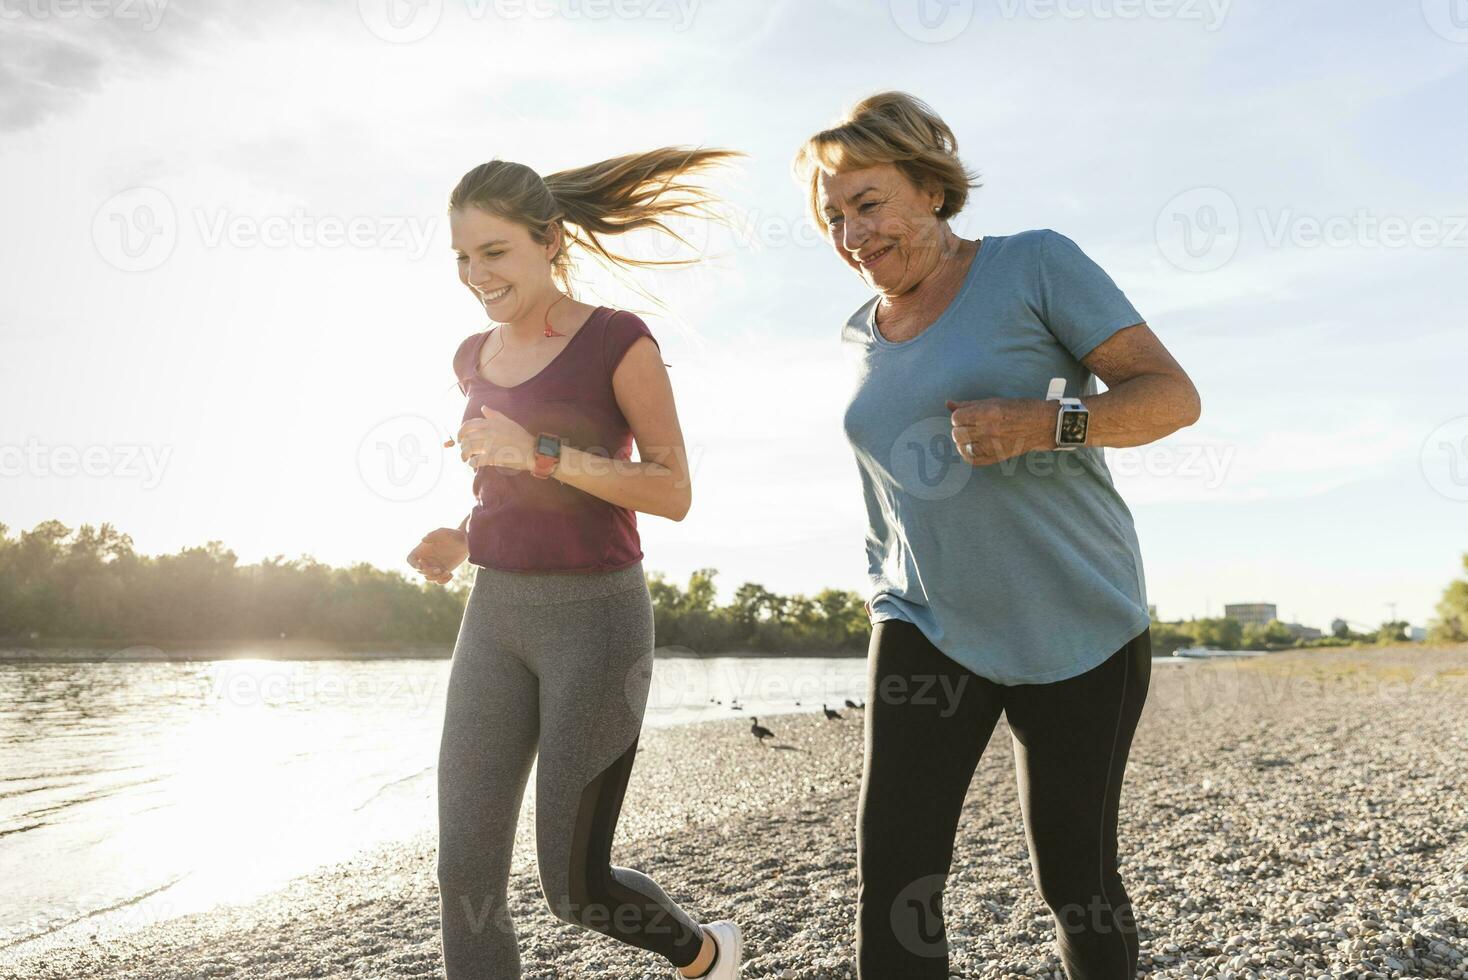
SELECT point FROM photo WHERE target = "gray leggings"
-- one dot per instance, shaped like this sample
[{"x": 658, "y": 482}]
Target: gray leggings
[{"x": 559, "y": 662}]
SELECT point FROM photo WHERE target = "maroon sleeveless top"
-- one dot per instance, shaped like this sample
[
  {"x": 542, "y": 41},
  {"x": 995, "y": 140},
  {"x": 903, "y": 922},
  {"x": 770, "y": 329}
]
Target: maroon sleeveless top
[{"x": 523, "y": 524}]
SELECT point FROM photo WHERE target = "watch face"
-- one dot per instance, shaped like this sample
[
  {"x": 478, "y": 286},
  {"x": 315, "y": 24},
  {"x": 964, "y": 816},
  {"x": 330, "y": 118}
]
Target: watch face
[
  {"x": 547, "y": 446},
  {"x": 1073, "y": 428}
]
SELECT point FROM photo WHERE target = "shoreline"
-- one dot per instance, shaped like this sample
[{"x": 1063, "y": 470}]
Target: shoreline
[
  {"x": 313, "y": 650},
  {"x": 1308, "y": 805}
]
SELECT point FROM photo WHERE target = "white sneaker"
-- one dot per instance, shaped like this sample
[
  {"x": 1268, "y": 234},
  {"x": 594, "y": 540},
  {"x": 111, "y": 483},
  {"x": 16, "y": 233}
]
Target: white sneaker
[{"x": 731, "y": 950}]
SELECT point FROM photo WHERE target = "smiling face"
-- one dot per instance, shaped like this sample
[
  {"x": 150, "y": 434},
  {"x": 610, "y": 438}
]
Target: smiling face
[
  {"x": 507, "y": 270},
  {"x": 882, "y": 225}
]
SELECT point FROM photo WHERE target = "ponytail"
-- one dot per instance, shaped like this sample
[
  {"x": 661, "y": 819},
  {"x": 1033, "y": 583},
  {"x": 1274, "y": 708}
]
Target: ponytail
[{"x": 625, "y": 193}]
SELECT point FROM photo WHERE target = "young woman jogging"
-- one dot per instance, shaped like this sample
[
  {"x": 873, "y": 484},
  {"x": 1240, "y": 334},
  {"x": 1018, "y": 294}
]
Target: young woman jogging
[{"x": 554, "y": 655}]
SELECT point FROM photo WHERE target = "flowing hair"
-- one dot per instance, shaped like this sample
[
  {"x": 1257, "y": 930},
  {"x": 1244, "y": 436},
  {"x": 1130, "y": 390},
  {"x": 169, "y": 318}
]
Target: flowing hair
[{"x": 612, "y": 197}]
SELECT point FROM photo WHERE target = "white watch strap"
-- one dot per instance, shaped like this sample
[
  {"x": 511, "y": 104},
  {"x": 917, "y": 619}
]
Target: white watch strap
[{"x": 1056, "y": 390}]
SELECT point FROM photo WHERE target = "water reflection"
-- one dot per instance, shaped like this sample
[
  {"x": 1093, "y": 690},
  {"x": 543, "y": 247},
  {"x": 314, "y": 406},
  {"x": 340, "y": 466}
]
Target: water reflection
[{"x": 154, "y": 789}]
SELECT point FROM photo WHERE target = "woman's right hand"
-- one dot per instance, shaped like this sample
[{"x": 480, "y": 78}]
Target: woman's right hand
[{"x": 441, "y": 552}]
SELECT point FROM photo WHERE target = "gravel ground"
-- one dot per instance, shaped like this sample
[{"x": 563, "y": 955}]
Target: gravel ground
[{"x": 1296, "y": 815}]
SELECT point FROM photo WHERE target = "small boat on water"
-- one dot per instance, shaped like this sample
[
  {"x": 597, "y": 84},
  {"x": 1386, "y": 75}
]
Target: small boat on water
[
  {"x": 1196, "y": 652},
  {"x": 1204, "y": 653}
]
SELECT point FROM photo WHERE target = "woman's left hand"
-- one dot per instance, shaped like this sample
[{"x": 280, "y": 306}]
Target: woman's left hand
[
  {"x": 992, "y": 430},
  {"x": 496, "y": 440}
]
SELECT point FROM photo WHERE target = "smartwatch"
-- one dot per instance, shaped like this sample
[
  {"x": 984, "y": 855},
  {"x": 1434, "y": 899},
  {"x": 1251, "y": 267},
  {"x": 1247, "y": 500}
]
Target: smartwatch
[
  {"x": 547, "y": 455},
  {"x": 1073, "y": 419}
]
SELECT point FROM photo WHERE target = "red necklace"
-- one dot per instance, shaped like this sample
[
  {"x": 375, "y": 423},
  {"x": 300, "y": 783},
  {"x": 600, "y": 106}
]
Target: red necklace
[{"x": 549, "y": 331}]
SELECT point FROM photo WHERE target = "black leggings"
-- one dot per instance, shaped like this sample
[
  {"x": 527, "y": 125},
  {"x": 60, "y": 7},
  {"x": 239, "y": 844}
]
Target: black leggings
[{"x": 927, "y": 722}]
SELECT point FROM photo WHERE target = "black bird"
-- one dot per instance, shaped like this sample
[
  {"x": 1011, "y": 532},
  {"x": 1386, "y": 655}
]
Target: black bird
[
  {"x": 760, "y": 732},
  {"x": 852, "y": 704},
  {"x": 830, "y": 714}
]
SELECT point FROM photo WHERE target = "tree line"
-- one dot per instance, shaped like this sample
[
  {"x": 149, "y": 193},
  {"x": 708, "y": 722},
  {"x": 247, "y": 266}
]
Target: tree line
[{"x": 90, "y": 586}]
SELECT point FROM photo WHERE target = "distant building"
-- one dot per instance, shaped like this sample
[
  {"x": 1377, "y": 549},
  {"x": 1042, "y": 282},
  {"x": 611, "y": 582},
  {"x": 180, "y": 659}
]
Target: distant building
[
  {"x": 1251, "y": 613},
  {"x": 1417, "y": 634},
  {"x": 1303, "y": 632}
]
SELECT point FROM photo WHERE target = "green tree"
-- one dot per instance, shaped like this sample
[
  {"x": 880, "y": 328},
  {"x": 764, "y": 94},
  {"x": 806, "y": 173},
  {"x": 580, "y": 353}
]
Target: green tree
[
  {"x": 1222, "y": 633},
  {"x": 1451, "y": 625}
]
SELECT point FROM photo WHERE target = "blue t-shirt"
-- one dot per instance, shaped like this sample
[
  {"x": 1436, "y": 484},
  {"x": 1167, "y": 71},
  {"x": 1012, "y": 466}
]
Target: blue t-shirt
[{"x": 1025, "y": 571}]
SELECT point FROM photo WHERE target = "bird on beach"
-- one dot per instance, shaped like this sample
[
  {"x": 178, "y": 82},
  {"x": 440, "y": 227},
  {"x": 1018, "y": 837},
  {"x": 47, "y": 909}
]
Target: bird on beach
[
  {"x": 852, "y": 704},
  {"x": 831, "y": 715},
  {"x": 760, "y": 732}
]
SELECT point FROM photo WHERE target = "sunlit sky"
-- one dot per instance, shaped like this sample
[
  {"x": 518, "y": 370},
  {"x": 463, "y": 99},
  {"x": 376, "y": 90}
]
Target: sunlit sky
[{"x": 229, "y": 302}]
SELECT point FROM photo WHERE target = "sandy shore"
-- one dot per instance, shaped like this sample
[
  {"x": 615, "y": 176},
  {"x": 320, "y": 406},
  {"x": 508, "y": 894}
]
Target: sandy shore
[{"x": 1302, "y": 814}]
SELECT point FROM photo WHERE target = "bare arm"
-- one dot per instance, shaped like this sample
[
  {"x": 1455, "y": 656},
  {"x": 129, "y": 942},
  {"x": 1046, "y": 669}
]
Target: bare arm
[
  {"x": 659, "y": 483},
  {"x": 1148, "y": 396},
  {"x": 1148, "y": 393}
]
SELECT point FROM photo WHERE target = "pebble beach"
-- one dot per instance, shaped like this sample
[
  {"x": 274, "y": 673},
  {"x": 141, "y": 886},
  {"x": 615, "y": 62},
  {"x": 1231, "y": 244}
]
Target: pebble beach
[{"x": 1300, "y": 814}]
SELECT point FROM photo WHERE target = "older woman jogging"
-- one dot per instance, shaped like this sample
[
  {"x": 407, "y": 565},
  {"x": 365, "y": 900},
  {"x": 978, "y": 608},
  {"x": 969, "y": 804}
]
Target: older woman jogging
[{"x": 1005, "y": 572}]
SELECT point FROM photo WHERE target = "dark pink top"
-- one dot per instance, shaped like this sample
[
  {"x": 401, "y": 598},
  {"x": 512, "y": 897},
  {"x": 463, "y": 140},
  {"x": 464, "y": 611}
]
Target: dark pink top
[{"x": 522, "y": 524}]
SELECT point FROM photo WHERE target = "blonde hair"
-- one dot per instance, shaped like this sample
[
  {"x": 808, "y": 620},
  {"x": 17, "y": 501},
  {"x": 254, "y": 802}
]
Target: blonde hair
[
  {"x": 895, "y": 128},
  {"x": 637, "y": 190}
]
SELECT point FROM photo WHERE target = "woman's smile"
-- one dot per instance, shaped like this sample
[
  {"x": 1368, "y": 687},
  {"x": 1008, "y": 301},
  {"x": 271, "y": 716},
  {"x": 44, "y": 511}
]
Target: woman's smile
[{"x": 875, "y": 257}]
